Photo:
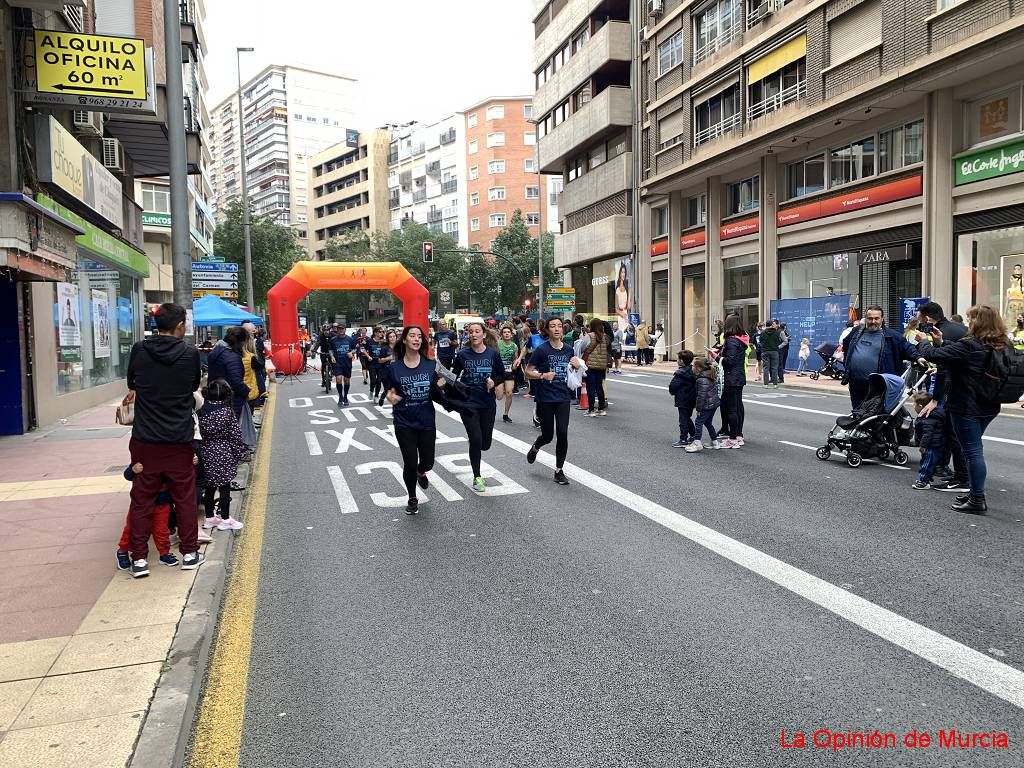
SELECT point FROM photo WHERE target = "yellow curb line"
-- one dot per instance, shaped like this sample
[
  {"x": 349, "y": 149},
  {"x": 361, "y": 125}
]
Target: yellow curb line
[{"x": 218, "y": 740}]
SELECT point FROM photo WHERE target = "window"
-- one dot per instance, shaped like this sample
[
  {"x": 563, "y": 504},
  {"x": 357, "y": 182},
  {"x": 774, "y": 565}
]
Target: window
[
  {"x": 471, "y": 120},
  {"x": 529, "y": 138},
  {"x": 598, "y": 156},
  {"x": 327, "y": 120},
  {"x": 474, "y": 198},
  {"x": 853, "y": 162},
  {"x": 617, "y": 146},
  {"x": 697, "y": 210},
  {"x": 579, "y": 40},
  {"x": 496, "y": 193},
  {"x": 496, "y": 139},
  {"x": 659, "y": 221},
  {"x": 782, "y": 87},
  {"x": 805, "y": 177},
  {"x": 670, "y": 53},
  {"x": 298, "y": 116},
  {"x": 532, "y": 193},
  {"x": 744, "y": 195},
  {"x": 994, "y": 117},
  {"x": 533, "y": 219},
  {"x": 472, "y": 147},
  {"x": 496, "y": 166},
  {"x": 528, "y": 111},
  {"x": 496, "y": 112},
  {"x": 944, "y": 4},
  {"x": 716, "y": 26},
  {"x": 582, "y": 97},
  {"x": 900, "y": 146},
  {"x": 576, "y": 166},
  {"x": 496, "y": 220},
  {"x": 717, "y": 116},
  {"x": 156, "y": 198},
  {"x": 528, "y": 166},
  {"x": 474, "y": 224},
  {"x": 856, "y": 31},
  {"x": 474, "y": 173}
]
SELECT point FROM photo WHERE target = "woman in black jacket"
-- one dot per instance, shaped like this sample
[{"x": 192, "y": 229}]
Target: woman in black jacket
[
  {"x": 733, "y": 359},
  {"x": 970, "y": 411},
  {"x": 225, "y": 362}
]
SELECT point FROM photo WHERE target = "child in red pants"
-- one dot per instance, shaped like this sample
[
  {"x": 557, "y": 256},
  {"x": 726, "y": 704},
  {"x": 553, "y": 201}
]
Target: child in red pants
[{"x": 161, "y": 531}]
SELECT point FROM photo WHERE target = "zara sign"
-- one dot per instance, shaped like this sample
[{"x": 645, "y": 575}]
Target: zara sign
[{"x": 880, "y": 255}]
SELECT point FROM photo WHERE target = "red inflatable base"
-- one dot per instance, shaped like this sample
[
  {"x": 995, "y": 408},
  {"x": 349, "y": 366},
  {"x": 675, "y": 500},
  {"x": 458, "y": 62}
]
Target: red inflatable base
[{"x": 288, "y": 361}]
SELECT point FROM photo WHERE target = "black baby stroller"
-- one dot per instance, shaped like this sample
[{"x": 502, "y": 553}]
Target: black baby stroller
[
  {"x": 832, "y": 367},
  {"x": 880, "y": 425}
]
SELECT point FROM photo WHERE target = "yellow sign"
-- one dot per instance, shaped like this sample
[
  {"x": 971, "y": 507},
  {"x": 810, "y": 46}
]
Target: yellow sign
[
  {"x": 90, "y": 65},
  {"x": 199, "y": 293}
]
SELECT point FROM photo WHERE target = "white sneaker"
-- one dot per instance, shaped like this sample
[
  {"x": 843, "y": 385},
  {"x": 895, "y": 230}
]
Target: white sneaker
[
  {"x": 715, "y": 444},
  {"x": 204, "y": 537},
  {"x": 229, "y": 525},
  {"x": 210, "y": 522},
  {"x": 695, "y": 447},
  {"x": 739, "y": 442}
]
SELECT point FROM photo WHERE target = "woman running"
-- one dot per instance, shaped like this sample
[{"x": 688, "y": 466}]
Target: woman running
[
  {"x": 387, "y": 354},
  {"x": 548, "y": 367},
  {"x": 370, "y": 354},
  {"x": 410, "y": 382},
  {"x": 482, "y": 371},
  {"x": 511, "y": 357}
]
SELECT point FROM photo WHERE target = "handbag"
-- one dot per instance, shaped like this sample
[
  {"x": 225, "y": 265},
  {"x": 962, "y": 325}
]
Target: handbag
[
  {"x": 248, "y": 428},
  {"x": 125, "y": 415}
]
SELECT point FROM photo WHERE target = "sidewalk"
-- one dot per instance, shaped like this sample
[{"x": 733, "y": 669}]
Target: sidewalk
[{"x": 82, "y": 645}]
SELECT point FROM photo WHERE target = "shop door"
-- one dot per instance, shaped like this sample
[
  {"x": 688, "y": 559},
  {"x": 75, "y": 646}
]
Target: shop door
[{"x": 11, "y": 414}]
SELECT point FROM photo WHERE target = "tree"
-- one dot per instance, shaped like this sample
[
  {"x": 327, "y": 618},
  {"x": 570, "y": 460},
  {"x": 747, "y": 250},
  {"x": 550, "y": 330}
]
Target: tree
[
  {"x": 515, "y": 243},
  {"x": 274, "y": 250}
]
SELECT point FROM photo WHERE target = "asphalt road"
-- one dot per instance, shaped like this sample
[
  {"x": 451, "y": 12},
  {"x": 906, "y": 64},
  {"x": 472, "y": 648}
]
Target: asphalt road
[{"x": 665, "y": 609}]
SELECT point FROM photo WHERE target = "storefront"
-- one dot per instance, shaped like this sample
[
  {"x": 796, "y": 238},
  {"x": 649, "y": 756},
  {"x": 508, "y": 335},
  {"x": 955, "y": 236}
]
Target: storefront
[
  {"x": 740, "y": 268},
  {"x": 694, "y": 307}
]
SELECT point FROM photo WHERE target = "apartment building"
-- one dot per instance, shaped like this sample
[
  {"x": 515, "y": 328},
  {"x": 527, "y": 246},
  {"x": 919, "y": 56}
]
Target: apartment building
[
  {"x": 288, "y": 115},
  {"x": 349, "y": 188},
  {"x": 583, "y": 105},
  {"x": 427, "y": 176},
  {"x": 869, "y": 149},
  {"x": 501, "y": 168}
]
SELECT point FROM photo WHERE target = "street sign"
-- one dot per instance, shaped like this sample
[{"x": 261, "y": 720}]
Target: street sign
[
  {"x": 210, "y": 258},
  {"x": 214, "y": 266},
  {"x": 199, "y": 293},
  {"x": 222, "y": 285},
  {"x": 90, "y": 65}
]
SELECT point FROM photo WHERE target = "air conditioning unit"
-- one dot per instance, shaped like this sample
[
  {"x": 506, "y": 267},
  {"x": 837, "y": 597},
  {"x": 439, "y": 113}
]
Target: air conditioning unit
[
  {"x": 655, "y": 7},
  {"x": 113, "y": 156},
  {"x": 87, "y": 123}
]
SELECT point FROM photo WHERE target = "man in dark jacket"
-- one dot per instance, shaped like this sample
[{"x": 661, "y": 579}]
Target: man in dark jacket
[
  {"x": 684, "y": 388},
  {"x": 873, "y": 348},
  {"x": 163, "y": 374},
  {"x": 771, "y": 340}
]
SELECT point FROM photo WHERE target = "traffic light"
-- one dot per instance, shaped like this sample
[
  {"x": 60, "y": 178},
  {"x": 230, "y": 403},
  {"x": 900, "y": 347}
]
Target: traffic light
[
  {"x": 527, "y": 303},
  {"x": 428, "y": 253}
]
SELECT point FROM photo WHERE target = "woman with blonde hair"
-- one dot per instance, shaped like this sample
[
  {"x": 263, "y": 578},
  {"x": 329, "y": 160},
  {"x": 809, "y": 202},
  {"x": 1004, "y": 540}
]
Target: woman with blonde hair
[{"x": 970, "y": 401}]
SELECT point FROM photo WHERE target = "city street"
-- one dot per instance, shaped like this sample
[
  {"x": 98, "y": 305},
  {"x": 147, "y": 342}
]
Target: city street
[{"x": 665, "y": 609}]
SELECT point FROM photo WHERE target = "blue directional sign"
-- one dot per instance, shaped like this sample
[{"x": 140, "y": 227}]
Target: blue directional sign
[{"x": 213, "y": 266}]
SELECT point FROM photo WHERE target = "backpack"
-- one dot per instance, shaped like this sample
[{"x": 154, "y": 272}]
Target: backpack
[{"x": 1002, "y": 381}]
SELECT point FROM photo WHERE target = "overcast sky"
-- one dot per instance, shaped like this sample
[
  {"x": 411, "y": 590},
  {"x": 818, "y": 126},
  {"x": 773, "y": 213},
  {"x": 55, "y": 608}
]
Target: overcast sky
[{"x": 414, "y": 59}]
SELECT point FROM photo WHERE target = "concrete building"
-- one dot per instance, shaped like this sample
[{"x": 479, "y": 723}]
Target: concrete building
[
  {"x": 874, "y": 148},
  {"x": 289, "y": 114},
  {"x": 349, "y": 188},
  {"x": 427, "y": 176},
  {"x": 582, "y": 60},
  {"x": 501, "y": 168}
]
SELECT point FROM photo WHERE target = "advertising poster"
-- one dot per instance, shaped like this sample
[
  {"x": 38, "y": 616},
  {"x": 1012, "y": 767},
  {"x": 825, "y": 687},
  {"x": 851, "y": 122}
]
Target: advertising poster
[
  {"x": 622, "y": 294},
  {"x": 124, "y": 316},
  {"x": 69, "y": 318},
  {"x": 1013, "y": 288},
  {"x": 909, "y": 308},
  {"x": 100, "y": 324}
]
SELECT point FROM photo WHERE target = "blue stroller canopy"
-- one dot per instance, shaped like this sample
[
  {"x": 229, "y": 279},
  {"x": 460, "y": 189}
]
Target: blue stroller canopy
[{"x": 890, "y": 384}]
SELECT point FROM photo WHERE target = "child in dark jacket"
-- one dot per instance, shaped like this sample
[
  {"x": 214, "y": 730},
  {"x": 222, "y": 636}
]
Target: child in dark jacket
[
  {"x": 931, "y": 440},
  {"x": 708, "y": 402},
  {"x": 684, "y": 388},
  {"x": 162, "y": 512}
]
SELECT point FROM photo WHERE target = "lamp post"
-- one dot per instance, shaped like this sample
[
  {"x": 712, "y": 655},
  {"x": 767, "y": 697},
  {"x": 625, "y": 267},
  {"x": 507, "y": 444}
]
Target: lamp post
[
  {"x": 540, "y": 227},
  {"x": 246, "y": 239}
]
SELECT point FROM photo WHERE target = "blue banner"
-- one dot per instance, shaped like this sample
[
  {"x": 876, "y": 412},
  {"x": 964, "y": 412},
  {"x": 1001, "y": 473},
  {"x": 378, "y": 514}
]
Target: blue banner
[
  {"x": 821, "y": 319},
  {"x": 908, "y": 310}
]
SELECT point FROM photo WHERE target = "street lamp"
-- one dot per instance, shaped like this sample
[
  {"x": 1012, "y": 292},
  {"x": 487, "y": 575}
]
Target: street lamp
[
  {"x": 540, "y": 228},
  {"x": 246, "y": 239}
]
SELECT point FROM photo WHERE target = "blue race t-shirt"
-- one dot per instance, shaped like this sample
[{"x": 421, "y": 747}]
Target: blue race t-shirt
[
  {"x": 546, "y": 359},
  {"x": 476, "y": 368},
  {"x": 377, "y": 350},
  {"x": 444, "y": 346},
  {"x": 415, "y": 410},
  {"x": 535, "y": 341},
  {"x": 341, "y": 346}
]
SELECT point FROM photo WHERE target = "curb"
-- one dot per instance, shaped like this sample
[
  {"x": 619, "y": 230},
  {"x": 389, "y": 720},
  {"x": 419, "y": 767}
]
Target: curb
[{"x": 167, "y": 730}]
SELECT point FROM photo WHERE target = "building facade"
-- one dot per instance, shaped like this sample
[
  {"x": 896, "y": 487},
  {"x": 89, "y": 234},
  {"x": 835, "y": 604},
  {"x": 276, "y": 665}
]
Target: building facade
[
  {"x": 869, "y": 149},
  {"x": 584, "y": 108},
  {"x": 288, "y": 114},
  {"x": 349, "y": 188}
]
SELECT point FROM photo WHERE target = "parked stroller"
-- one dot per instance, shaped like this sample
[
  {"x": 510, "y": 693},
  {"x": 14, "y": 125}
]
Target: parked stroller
[
  {"x": 832, "y": 367},
  {"x": 880, "y": 425}
]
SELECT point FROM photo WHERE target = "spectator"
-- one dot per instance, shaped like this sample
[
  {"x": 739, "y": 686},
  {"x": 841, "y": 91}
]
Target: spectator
[
  {"x": 683, "y": 388},
  {"x": 873, "y": 348},
  {"x": 221, "y": 448},
  {"x": 733, "y": 359},
  {"x": 163, "y": 374},
  {"x": 957, "y": 319},
  {"x": 783, "y": 352},
  {"x": 659, "y": 343},
  {"x": 643, "y": 343},
  {"x": 259, "y": 338},
  {"x": 931, "y": 440},
  {"x": 249, "y": 365},
  {"x": 770, "y": 341},
  {"x": 225, "y": 362},
  {"x": 804, "y": 355},
  {"x": 966, "y": 361}
]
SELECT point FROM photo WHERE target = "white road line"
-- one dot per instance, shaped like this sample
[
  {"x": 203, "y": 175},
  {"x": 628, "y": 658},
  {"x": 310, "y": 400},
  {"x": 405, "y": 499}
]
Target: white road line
[
  {"x": 346, "y": 501},
  {"x": 997, "y": 678},
  {"x": 313, "y": 444},
  {"x": 866, "y": 461},
  {"x": 798, "y": 445}
]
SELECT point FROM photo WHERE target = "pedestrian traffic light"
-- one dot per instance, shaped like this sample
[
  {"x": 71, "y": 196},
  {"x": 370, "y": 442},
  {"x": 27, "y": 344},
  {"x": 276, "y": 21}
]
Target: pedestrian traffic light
[{"x": 428, "y": 253}]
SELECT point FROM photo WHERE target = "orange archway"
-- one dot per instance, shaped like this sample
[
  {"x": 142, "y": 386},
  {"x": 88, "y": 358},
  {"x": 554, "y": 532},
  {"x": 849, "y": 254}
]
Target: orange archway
[{"x": 283, "y": 299}]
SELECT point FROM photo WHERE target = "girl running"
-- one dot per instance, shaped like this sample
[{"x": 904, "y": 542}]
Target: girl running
[
  {"x": 548, "y": 367},
  {"x": 482, "y": 371},
  {"x": 410, "y": 382},
  {"x": 371, "y": 353},
  {"x": 511, "y": 357},
  {"x": 387, "y": 354}
]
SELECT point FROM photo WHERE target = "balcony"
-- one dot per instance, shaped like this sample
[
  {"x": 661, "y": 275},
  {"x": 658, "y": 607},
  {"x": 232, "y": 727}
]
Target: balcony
[
  {"x": 448, "y": 137},
  {"x": 715, "y": 131},
  {"x": 604, "y": 181},
  {"x": 394, "y": 203},
  {"x": 609, "y": 49},
  {"x": 192, "y": 42},
  {"x": 793, "y": 93},
  {"x": 712, "y": 47},
  {"x": 759, "y": 11},
  {"x": 434, "y": 215},
  {"x": 567, "y": 21},
  {"x": 609, "y": 111},
  {"x": 608, "y": 237},
  {"x": 419, "y": 195},
  {"x": 434, "y": 167},
  {"x": 448, "y": 187}
]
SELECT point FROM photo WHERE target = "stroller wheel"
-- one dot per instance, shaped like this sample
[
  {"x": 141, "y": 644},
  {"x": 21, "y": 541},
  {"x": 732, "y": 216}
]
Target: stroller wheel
[
  {"x": 814, "y": 375},
  {"x": 883, "y": 454},
  {"x": 901, "y": 458},
  {"x": 823, "y": 453},
  {"x": 854, "y": 459}
]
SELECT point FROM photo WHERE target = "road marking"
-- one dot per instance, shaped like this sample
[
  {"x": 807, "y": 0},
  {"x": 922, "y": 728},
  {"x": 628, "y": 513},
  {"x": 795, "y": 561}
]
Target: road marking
[
  {"x": 313, "y": 444},
  {"x": 997, "y": 678},
  {"x": 866, "y": 461},
  {"x": 346, "y": 501},
  {"x": 218, "y": 739},
  {"x": 798, "y": 445}
]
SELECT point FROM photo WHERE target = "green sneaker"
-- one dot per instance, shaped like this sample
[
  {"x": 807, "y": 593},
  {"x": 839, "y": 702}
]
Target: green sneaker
[{"x": 479, "y": 484}]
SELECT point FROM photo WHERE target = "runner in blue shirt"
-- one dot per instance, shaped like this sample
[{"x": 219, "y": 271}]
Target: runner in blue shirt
[
  {"x": 444, "y": 344},
  {"x": 341, "y": 363},
  {"x": 548, "y": 367},
  {"x": 371, "y": 354},
  {"x": 482, "y": 371}
]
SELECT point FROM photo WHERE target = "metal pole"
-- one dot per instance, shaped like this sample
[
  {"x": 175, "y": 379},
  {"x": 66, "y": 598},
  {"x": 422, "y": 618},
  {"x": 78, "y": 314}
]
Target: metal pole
[
  {"x": 181, "y": 260},
  {"x": 540, "y": 228},
  {"x": 246, "y": 238}
]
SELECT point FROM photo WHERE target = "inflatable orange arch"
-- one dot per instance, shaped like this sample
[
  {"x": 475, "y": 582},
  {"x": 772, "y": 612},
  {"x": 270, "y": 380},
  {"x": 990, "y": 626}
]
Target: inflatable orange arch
[{"x": 283, "y": 299}]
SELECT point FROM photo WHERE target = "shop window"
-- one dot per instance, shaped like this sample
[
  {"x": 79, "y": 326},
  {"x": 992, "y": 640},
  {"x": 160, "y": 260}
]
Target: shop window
[
  {"x": 744, "y": 195},
  {"x": 994, "y": 116},
  {"x": 991, "y": 269},
  {"x": 803, "y": 278},
  {"x": 659, "y": 221},
  {"x": 853, "y": 162},
  {"x": 670, "y": 53},
  {"x": 697, "y": 210}
]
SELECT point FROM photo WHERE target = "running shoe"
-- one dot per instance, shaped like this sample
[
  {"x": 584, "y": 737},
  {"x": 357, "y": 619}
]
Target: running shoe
[
  {"x": 422, "y": 480},
  {"x": 506, "y": 418},
  {"x": 168, "y": 559},
  {"x": 590, "y": 413},
  {"x": 124, "y": 560},
  {"x": 412, "y": 506},
  {"x": 730, "y": 443},
  {"x": 716, "y": 445},
  {"x": 920, "y": 485},
  {"x": 740, "y": 441},
  {"x": 680, "y": 443},
  {"x": 210, "y": 522},
  {"x": 531, "y": 455},
  {"x": 140, "y": 568},
  {"x": 953, "y": 486},
  {"x": 560, "y": 478},
  {"x": 192, "y": 560},
  {"x": 602, "y": 412},
  {"x": 479, "y": 484},
  {"x": 695, "y": 447},
  {"x": 230, "y": 524},
  {"x": 536, "y": 422}
]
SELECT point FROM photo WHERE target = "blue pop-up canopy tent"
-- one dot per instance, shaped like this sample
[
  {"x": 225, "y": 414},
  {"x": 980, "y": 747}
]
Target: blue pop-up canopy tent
[{"x": 213, "y": 310}]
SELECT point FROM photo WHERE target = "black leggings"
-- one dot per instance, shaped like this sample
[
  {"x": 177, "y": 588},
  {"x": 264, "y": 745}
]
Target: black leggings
[
  {"x": 417, "y": 447},
  {"x": 225, "y": 500},
  {"x": 554, "y": 423},
  {"x": 479, "y": 429},
  {"x": 376, "y": 381},
  {"x": 732, "y": 411}
]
